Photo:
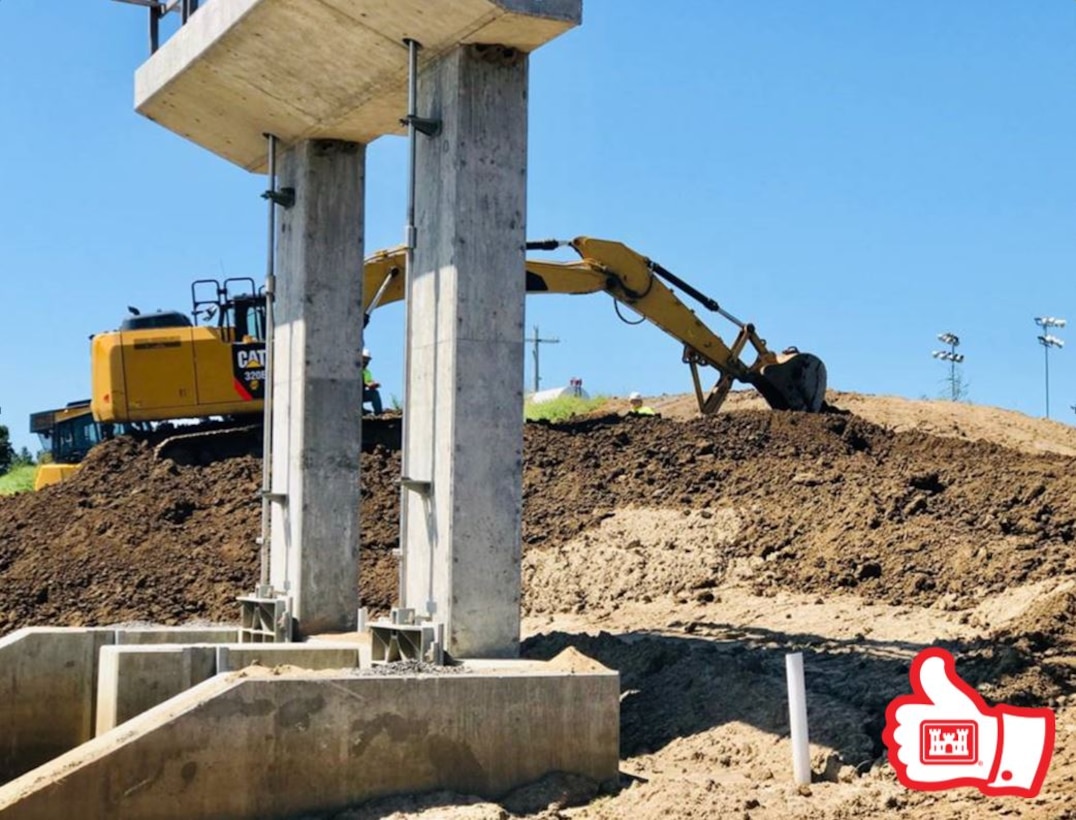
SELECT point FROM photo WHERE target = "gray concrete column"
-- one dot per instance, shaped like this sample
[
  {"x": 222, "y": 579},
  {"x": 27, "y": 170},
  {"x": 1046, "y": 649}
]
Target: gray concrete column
[
  {"x": 464, "y": 417},
  {"x": 317, "y": 384}
]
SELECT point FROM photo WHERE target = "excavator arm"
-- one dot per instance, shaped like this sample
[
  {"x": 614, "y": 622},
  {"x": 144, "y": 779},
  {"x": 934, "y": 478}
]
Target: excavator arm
[{"x": 788, "y": 381}]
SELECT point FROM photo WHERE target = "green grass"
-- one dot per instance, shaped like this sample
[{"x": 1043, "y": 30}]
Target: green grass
[
  {"x": 562, "y": 409},
  {"x": 19, "y": 480}
]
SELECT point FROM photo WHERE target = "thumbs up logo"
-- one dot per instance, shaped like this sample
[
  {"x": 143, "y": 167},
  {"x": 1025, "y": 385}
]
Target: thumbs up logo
[{"x": 944, "y": 735}]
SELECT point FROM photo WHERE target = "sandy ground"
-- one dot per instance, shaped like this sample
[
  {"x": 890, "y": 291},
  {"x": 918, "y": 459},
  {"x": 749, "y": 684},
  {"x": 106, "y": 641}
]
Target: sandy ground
[
  {"x": 734, "y": 760},
  {"x": 732, "y": 756}
]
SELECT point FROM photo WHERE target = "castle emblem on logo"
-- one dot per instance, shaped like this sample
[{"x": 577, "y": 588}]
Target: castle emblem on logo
[{"x": 950, "y": 741}]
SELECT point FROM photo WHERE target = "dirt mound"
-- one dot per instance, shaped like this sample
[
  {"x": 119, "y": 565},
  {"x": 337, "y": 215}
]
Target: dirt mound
[
  {"x": 131, "y": 537},
  {"x": 948, "y": 419},
  {"x": 812, "y": 503},
  {"x": 689, "y": 554},
  {"x": 615, "y": 510}
]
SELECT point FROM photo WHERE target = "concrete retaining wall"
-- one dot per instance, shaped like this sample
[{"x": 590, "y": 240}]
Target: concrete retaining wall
[
  {"x": 133, "y": 679},
  {"x": 258, "y": 745},
  {"x": 48, "y": 681}
]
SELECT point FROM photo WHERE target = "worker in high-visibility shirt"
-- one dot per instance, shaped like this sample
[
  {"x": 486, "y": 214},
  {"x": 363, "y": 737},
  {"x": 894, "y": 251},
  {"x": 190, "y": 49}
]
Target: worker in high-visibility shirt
[
  {"x": 369, "y": 386},
  {"x": 637, "y": 406}
]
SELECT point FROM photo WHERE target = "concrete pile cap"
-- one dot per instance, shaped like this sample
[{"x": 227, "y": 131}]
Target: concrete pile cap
[{"x": 335, "y": 69}]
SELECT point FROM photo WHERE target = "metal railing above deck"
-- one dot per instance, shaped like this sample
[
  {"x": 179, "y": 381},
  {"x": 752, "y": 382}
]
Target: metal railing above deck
[{"x": 158, "y": 10}]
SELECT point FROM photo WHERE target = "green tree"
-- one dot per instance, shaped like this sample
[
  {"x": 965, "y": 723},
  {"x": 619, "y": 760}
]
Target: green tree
[
  {"x": 7, "y": 454},
  {"x": 24, "y": 458}
]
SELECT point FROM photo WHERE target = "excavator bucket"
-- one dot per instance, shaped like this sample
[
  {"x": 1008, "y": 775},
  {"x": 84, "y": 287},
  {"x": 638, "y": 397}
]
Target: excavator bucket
[{"x": 797, "y": 381}]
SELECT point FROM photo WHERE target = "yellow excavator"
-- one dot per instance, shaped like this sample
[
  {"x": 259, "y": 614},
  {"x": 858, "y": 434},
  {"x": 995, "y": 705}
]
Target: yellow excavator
[{"x": 163, "y": 366}]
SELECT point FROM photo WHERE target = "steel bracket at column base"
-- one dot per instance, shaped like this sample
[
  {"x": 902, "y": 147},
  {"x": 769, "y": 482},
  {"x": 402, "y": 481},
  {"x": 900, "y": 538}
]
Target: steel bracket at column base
[
  {"x": 392, "y": 643},
  {"x": 264, "y": 618}
]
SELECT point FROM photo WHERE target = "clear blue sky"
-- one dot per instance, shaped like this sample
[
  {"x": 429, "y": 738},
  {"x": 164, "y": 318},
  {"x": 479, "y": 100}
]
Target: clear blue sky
[{"x": 855, "y": 176}]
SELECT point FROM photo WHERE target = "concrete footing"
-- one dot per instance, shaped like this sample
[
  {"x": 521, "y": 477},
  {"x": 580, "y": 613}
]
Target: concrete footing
[{"x": 273, "y": 741}]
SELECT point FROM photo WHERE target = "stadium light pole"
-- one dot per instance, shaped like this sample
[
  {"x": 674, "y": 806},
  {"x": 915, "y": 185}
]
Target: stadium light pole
[
  {"x": 950, "y": 356},
  {"x": 1048, "y": 340}
]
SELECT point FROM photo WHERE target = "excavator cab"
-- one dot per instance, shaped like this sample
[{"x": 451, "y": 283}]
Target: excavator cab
[{"x": 67, "y": 435}]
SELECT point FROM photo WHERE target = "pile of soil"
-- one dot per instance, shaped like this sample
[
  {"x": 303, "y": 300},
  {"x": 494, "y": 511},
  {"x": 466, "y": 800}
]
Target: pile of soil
[
  {"x": 130, "y": 538},
  {"x": 615, "y": 510},
  {"x": 817, "y": 504}
]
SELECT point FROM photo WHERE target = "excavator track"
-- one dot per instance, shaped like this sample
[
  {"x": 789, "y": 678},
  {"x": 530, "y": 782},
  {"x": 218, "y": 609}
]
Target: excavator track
[{"x": 206, "y": 446}]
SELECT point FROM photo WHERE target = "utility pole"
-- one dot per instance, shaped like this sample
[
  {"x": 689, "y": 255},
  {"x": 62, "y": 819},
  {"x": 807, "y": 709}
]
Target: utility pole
[
  {"x": 537, "y": 340},
  {"x": 1047, "y": 340}
]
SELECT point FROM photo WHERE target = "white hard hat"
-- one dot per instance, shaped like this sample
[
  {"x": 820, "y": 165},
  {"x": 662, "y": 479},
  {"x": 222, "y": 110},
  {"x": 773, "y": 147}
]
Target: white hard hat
[
  {"x": 366, "y": 353},
  {"x": 635, "y": 396}
]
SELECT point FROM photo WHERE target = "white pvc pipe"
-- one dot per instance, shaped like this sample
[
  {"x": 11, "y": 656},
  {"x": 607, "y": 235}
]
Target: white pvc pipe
[{"x": 797, "y": 719}]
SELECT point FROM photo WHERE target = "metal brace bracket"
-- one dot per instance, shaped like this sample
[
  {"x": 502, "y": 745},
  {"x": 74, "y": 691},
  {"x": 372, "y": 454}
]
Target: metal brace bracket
[
  {"x": 424, "y": 125},
  {"x": 284, "y": 197},
  {"x": 416, "y": 486}
]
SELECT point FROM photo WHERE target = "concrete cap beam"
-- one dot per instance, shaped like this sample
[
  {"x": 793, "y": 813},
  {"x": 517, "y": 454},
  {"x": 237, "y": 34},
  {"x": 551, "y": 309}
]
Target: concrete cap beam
[{"x": 332, "y": 69}]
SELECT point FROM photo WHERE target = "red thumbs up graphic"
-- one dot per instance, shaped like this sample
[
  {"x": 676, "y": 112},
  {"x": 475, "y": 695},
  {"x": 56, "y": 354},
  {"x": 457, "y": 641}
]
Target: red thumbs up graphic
[{"x": 944, "y": 735}]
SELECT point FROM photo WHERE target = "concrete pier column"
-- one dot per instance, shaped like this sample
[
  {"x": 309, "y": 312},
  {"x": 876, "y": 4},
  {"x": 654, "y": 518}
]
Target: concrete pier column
[
  {"x": 464, "y": 407},
  {"x": 317, "y": 384}
]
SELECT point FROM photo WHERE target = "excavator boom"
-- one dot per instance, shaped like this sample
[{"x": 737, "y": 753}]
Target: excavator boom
[{"x": 787, "y": 381}]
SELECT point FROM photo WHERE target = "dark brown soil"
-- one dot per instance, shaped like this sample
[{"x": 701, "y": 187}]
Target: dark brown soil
[
  {"x": 131, "y": 537},
  {"x": 829, "y": 503}
]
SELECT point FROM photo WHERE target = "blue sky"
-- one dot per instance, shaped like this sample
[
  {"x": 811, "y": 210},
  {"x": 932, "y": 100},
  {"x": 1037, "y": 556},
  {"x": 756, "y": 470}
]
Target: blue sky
[{"x": 854, "y": 176}]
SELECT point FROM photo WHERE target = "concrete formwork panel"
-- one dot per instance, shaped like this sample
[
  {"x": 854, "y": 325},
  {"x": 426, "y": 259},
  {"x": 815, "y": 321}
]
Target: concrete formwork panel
[
  {"x": 246, "y": 745},
  {"x": 304, "y": 70}
]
